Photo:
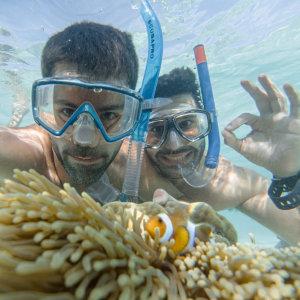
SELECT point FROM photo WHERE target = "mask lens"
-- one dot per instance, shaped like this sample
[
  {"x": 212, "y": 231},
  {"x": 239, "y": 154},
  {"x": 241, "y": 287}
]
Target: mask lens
[
  {"x": 121, "y": 118},
  {"x": 192, "y": 125},
  {"x": 56, "y": 103},
  {"x": 45, "y": 107},
  {"x": 156, "y": 131}
]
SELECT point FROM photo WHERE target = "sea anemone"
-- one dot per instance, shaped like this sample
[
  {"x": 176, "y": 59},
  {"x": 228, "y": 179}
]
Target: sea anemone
[{"x": 57, "y": 244}]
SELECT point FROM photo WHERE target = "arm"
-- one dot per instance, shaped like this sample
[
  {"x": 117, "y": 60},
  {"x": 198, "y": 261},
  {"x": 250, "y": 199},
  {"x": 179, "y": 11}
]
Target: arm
[
  {"x": 19, "y": 148},
  {"x": 285, "y": 223},
  {"x": 252, "y": 190},
  {"x": 230, "y": 187},
  {"x": 273, "y": 143},
  {"x": 246, "y": 190}
]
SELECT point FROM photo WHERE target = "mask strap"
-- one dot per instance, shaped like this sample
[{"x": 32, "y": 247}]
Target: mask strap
[{"x": 156, "y": 103}]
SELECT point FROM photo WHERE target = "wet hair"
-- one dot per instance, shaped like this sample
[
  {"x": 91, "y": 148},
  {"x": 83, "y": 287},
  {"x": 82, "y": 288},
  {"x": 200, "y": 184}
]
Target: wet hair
[
  {"x": 99, "y": 51},
  {"x": 178, "y": 81}
]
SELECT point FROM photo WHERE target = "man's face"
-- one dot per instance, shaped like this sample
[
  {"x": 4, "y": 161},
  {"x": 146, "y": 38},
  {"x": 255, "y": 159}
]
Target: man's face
[
  {"x": 176, "y": 151},
  {"x": 84, "y": 164}
]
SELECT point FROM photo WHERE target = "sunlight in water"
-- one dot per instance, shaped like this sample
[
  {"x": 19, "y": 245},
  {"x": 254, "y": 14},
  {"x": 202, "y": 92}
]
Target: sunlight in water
[{"x": 243, "y": 38}]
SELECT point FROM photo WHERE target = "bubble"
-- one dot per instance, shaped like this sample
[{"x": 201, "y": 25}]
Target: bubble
[
  {"x": 97, "y": 91},
  {"x": 135, "y": 4}
]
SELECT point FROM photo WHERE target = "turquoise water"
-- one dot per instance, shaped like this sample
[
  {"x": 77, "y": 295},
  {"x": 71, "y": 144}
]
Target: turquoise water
[{"x": 242, "y": 38}]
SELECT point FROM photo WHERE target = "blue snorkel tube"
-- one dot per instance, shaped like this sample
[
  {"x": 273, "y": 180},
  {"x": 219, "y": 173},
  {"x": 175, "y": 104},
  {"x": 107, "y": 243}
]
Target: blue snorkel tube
[
  {"x": 212, "y": 157},
  {"x": 199, "y": 177},
  {"x": 137, "y": 142}
]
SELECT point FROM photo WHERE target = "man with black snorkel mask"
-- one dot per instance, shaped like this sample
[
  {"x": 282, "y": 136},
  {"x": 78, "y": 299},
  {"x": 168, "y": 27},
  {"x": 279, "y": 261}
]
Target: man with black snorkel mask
[{"x": 176, "y": 139}]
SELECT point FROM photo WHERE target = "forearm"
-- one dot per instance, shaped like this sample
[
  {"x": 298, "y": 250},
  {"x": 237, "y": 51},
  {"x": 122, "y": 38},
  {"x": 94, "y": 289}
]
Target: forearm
[{"x": 284, "y": 223}]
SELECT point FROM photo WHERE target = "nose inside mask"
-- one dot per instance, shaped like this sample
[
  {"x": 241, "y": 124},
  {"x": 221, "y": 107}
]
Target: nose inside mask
[
  {"x": 174, "y": 140},
  {"x": 85, "y": 131}
]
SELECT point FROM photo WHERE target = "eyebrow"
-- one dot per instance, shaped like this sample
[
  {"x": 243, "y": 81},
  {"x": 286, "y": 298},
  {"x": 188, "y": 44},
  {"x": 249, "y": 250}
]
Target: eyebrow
[
  {"x": 69, "y": 103},
  {"x": 64, "y": 102},
  {"x": 110, "y": 107}
]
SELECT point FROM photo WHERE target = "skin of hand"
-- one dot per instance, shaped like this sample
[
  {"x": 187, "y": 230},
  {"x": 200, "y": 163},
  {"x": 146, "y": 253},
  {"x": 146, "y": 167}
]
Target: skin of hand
[{"x": 274, "y": 142}]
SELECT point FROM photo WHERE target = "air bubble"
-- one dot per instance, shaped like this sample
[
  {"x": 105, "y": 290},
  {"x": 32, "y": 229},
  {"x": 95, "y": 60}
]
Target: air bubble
[
  {"x": 97, "y": 91},
  {"x": 135, "y": 4}
]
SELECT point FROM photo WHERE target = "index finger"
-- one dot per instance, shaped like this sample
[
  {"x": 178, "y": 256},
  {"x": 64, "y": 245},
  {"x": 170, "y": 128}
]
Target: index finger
[
  {"x": 294, "y": 99},
  {"x": 276, "y": 99},
  {"x": 261, "y": 98}
]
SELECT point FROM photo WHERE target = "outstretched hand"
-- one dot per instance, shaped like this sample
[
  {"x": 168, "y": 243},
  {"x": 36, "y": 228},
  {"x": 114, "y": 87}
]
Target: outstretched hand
[{"x": 274, "y": 142}]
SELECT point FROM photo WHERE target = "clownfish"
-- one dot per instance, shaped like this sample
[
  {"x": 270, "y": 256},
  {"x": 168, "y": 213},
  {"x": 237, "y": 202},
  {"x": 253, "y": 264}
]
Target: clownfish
[{"x": 183, "y": 234}]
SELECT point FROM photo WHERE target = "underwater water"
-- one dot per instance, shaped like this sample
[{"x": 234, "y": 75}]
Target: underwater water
[{"x": 242, "y": 38}]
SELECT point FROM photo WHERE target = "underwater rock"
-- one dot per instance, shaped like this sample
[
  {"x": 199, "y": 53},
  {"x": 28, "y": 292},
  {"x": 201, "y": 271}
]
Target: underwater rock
[{"x": 57, "y": 244}]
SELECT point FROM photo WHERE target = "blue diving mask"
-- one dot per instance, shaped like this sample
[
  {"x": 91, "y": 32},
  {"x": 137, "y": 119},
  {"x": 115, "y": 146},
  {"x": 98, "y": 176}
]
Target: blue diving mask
[{"x": 62, "y": 103}]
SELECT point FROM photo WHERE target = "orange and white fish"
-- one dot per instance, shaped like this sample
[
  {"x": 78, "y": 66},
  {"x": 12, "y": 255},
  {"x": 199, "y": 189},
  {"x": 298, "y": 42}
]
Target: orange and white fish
[{"x": 183, "y": 234}]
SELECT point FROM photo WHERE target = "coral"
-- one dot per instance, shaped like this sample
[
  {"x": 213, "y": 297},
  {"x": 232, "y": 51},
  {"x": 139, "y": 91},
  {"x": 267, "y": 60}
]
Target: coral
[{"x": 57, "y": 244}]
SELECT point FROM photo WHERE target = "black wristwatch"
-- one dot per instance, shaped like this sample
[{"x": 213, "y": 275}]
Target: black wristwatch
[{"x": 285, "y": 192}]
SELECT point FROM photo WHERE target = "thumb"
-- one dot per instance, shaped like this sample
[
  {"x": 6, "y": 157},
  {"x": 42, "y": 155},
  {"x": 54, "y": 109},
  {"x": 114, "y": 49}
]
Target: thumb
[{"x": 232, "y": 141}]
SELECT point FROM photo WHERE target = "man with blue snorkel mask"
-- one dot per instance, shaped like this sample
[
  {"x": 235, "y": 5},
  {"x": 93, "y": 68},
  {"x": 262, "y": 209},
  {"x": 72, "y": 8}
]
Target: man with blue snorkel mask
[
  {"x": 84, "y": 103},
  {"x": 176, "y": 139}
]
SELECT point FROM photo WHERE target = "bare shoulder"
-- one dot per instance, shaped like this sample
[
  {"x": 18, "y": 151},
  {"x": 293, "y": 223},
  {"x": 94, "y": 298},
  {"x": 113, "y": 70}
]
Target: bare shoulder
[
  {"x": 22, "y": 148},
  {"x": 30, "y": 137}
]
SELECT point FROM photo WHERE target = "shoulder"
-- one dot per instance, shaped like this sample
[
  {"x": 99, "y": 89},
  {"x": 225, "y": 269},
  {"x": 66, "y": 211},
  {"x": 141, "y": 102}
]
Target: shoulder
[
  {"x": 31, "y": 133},
  {"x": 34, "y": 143}
]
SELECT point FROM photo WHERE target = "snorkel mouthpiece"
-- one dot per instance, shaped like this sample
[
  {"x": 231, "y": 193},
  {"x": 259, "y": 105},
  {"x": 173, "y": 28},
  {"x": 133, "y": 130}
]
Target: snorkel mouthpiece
[{"x": 147, "y": 91}]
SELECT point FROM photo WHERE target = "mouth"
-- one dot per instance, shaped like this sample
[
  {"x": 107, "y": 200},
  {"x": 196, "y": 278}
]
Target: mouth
[
  {"x": 87, "y": 160},
  {"x": 175, "y": 159}
]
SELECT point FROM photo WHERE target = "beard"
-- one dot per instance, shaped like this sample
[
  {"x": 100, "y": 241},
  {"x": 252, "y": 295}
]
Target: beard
[
  {"x": 81, "y": 175},
  {"x": 169, "y": 163}
]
